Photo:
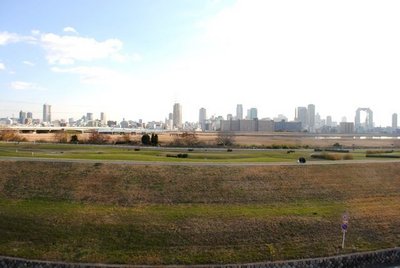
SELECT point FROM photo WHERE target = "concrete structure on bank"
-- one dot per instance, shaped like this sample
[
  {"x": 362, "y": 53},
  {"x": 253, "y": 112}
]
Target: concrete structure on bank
[
  {"x": 346, "y": 127},
  {"x": 247, "y": 125},
  {"x": 284, "y": 126},
  {"x": 380, "y": 258}
]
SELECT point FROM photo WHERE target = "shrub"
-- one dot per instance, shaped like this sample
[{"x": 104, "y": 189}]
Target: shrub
[
  {"x": 178, "y": 155},
  {"x": 379, "y": 151},
  {"x": 331, "y": 156},
  {"x": 146, "y": 139},
  {"x": 74, "y": 139}
]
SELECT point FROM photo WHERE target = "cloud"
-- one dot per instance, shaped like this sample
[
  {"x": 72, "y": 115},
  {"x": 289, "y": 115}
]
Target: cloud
[
  {"x": 2, "y": 66},
  {"x": 69, "y": 29},
  {"x": 28, "y": 63},
  {"x": 67, "y": 49},
  {"x": 8, "y": 38},
  {"x": 20, "y": 85},
  {"x": 95, "y": 75}
]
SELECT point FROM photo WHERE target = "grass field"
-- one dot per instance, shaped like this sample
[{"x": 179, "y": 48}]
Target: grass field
[
  {"x": 194, "y": 215},
  {"x": 68, "y": 151}
]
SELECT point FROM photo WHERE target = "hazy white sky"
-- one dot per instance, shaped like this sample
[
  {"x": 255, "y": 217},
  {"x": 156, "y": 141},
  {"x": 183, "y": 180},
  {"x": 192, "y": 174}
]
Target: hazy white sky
[{"x": 134, "y": 59}]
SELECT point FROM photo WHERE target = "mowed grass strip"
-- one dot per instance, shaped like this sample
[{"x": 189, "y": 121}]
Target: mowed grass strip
[
  {"x": 108, "y": 152},
  {"x": 194, "y": 215}
]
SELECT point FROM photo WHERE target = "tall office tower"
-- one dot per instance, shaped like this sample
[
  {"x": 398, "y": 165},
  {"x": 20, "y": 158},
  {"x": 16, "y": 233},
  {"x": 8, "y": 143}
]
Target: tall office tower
[
  {"x": 394, "y": 121},
  {"x": 170, "y": 116},
  {"x": 239, "y": 111},
  {"x": 202, "y": 118},
  {"x": 89, "y": 117},
  {"x": 301, "y": 115},
  {"x": 29, "y": 115},
  {"x": 252, "y": 113},
  {"x": 22, "y": 117},
  {"x": 177, "y": 116},
  {"x": 311, "y": 117},
  {"x": 329, "y": 121},
  {"x": 103, "y": 118},
  {"x": 46, "y": 113},
  {"x": 229, "y": 117}
]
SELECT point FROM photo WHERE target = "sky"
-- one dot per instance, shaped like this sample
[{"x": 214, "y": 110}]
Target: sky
[{"x": 134, "y": 59}]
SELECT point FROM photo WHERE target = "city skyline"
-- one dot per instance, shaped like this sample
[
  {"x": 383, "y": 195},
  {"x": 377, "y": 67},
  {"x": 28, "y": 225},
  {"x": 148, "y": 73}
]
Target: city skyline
[
  {"x": 308, "y": 116},
  {"x": 274, "y": 56}
]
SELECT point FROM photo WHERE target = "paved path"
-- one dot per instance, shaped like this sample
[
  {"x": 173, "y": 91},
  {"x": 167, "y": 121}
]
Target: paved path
[{"x": 156, "y": 163}]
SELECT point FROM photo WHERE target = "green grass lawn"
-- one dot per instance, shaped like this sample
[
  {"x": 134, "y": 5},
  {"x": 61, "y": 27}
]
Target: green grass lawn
[
  {"x": 181, "y": 233},
  {"x": 68, "y": 151},
  {"x": 113, "y": 213}
]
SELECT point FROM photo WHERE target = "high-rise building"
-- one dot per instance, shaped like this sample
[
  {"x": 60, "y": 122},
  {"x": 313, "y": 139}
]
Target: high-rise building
[
  {"x": 46, "y": 113},
  {"x": 329, "y": 122},
  {"x": 394, "y": 121},
  {"x": 29, "y": 115},
  {"x": 22, "y": 117},
  {"x": 103, "y": 118},
  {"x": 89, "y": 117},
  {"x": 252, "y": 113},
  {"x": 177, "y": 116},
  {"x": 202, "y": 118},
  {"x": 366, "y": 125},
  {"x": 311, "y": 117},
  {"x": 239, "y": 112},
  {"x": 346, "y": 127},
  {"x": 229, "y": 117},
  {"x": 301, "y": 115}
]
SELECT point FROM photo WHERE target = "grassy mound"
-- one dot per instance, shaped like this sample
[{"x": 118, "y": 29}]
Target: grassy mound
[{"x": 194, "y": 215}]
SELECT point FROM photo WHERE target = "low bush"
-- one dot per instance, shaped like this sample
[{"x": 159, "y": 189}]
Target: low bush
[
  {"x": 331, "y": 156},
  {"x": 383, "y": 155},
  {"x": 178, "y": 155},
  {"x": 379, "y": 151}
]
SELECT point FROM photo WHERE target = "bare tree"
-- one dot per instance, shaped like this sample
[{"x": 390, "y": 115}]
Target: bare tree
[
  {"x": 98, "y": 138},
  {"x": 225, "y": 138},
  {"x": 61, "y": 136},
  {"x": 186, "y": 139},
  {"x": 10, "y": 135}
]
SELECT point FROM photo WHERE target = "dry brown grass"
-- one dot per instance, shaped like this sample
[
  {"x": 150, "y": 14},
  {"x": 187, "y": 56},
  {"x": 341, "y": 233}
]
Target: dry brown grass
[{"x": 129, "y": 185}]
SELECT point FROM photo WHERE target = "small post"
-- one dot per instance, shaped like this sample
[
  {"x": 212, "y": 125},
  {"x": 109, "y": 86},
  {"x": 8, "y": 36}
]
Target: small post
[
  {"x": 345, "y": 222},
  {"x": 344, "y": 237}
]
